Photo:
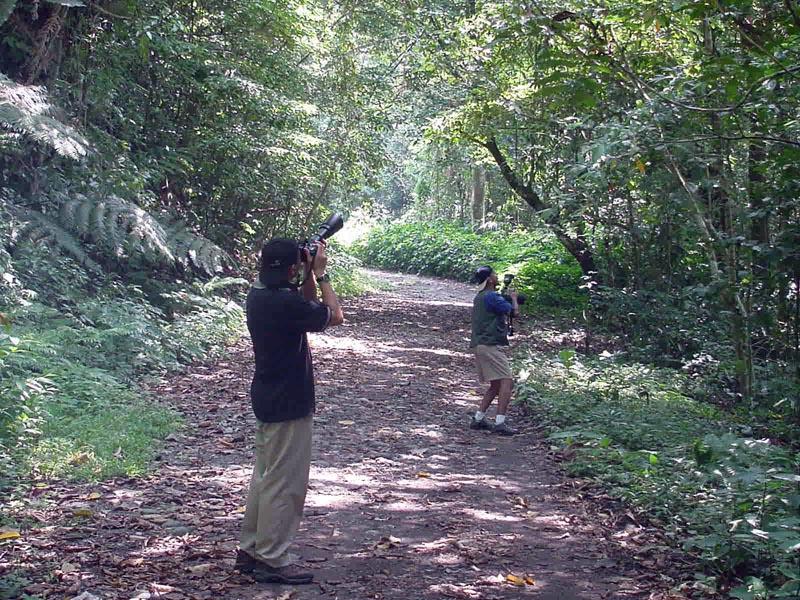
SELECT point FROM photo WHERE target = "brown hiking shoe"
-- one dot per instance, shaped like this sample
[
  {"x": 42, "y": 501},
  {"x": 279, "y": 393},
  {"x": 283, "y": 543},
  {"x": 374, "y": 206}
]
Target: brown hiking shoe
[
  {"x": 289, "y": 574},
  {"x": 244, "y": 562}
]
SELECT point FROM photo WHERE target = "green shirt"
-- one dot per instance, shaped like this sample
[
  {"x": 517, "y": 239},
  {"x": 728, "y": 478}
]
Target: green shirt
[{"x": 488, "y": 328}]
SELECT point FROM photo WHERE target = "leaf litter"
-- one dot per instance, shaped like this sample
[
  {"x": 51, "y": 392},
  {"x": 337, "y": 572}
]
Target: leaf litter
[{"x": 482, "y": 517}]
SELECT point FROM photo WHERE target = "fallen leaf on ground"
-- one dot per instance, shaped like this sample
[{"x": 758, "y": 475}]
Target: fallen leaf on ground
[
  {"x": 387, "y": 541},
  {"x": 199, "y": 569},
  {"x": 423, "y": 474},
  {"x": 515, "y": 579},
  {"x": 10, "y": 535},
  {"x": 82, "y": 512},
  {"x": 67, "y": 567}
]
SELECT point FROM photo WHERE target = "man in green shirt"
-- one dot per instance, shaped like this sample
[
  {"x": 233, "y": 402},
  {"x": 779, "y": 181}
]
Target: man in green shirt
[{"x": 489, "y": 333}]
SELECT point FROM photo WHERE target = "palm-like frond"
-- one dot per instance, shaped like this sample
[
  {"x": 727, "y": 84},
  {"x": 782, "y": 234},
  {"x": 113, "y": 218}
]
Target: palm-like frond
[
  {"x": 6, "y": 8},
  {"x": 38, "y": 228},
  {"x": 119, "y": 226},
  {"x": 27, "y": 110},
  {"x": 195, "y": 250},
  {"x": 120, "y": 229}
]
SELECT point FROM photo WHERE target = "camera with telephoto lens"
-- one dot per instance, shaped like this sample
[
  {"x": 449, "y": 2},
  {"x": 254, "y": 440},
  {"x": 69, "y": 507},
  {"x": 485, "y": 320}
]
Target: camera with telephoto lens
[
  {"x": 332, "y": 224},
  {"x": 507, "y": 279}
]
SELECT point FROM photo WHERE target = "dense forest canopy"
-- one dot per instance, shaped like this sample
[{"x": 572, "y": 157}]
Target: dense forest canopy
[{"x": 657, "y": 141}]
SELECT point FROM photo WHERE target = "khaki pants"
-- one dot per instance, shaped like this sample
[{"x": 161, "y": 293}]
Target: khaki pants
[{"x": 277, "y": 490}]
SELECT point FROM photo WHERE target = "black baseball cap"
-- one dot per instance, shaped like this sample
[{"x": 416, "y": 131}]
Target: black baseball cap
[
  {"x": 481, "y": 275},
  {"x": 276, "y": 256},
  {"x": 279, "y": 252}
]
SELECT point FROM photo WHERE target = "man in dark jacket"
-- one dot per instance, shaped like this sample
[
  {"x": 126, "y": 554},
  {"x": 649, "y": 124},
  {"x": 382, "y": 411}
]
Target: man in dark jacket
[
  {"x": 282, "y": 396},
  {"x": 489, "y": 334}
]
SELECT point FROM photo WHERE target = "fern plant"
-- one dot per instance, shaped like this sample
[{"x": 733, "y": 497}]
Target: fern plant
[
  {"x": 26, "y": 110},
  {"x": 120, "y": 229},
  {"x": 6, "y": 8}
]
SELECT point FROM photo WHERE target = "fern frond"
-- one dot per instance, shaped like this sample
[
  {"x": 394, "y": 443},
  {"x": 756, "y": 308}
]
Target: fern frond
[
  {"x": 193, "y": 249},
  {"x": 150, "y": 232},
  {"x": 27, "y": 110},
  {"x": 40, "y": 229},
  {"x": 218, "y": 283},
  {"x": 82, "y": 216},
  {"x": 119, "y": 226},
  {"x": 6, "y": 8},
  {"x": 67, "y": 213}
]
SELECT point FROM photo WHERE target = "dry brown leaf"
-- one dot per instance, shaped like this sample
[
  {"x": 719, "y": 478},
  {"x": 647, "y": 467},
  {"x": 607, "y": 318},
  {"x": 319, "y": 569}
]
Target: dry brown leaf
[
  {"x": 82, "y": 512},
  {"x": 200, "y": 569},
  {"x": 515, "y": 579},
  {"x": 423, "y": 474},
  {"x": 67, "y": 567}
]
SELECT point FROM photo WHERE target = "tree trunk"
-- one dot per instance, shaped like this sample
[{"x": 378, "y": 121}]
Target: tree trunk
[
  {"x": 478, "y": 195},
  {"x": 575, "y": 245}
]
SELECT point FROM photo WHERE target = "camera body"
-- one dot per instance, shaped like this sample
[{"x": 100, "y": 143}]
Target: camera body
[
  {"x": 507, "y": 279},
  {"x": 330, "y": 226}
]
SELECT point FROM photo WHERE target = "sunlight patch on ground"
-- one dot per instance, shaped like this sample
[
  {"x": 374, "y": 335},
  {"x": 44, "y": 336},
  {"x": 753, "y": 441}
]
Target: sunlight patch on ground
[
  {"x": 373, "y": 349},
  {"x": 335, "y": 475},
  {"x": 156, "y": 546},
  {"x": 438, "y": 302},
  {"x": 428, "y": 433},
  {"x": 341, "y": 343},
  {"x": 485, "y": 515},
  {"x": 332, "y": 500},
  {"x": 451, "y": 353}
]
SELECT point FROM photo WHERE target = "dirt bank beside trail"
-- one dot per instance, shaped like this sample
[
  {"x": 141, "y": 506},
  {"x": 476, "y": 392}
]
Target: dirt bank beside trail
[{"x": 405, "y": 501}]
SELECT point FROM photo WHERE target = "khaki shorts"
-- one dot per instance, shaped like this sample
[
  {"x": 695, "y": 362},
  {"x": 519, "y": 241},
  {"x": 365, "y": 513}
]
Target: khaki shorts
[{"x": 492, "y": 363}]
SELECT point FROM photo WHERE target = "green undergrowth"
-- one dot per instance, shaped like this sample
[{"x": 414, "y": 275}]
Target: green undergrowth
[
  {"x": 70, "y": 406},
  {"x": 73, "y": 350},
  {"x": 548, "y": 276},
  {"x": 347, "y": 273},
  {"x": 730, "y": 499}
]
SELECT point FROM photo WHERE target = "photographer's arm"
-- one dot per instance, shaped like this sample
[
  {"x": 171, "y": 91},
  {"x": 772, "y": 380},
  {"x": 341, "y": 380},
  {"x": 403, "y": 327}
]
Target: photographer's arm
[
  {"x": 329, "y": 297},
  {"x": 332, "y": 301},
  {"x": 514, "y": 304},
  {"x": 309, "y": 287}
]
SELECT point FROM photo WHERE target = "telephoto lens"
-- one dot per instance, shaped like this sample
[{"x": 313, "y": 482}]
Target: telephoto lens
[{"x": 328, "y": 228}]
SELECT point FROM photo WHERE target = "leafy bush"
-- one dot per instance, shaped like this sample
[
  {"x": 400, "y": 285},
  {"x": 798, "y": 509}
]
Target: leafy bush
[
  {"x": 67, "y": 403},
  {"x": 347, "y": 272},
  {"x": 730, "y": 499},
  {"x": 549, "y": 284},
  {"x": 546, "y": 273},
  {"x": 656, "y": 326}
]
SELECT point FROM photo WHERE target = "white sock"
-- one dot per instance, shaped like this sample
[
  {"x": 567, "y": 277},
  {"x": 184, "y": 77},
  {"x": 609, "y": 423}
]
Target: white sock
[
  {"x": 479, "y": 415},
  {"x": 499, "y": 419}
]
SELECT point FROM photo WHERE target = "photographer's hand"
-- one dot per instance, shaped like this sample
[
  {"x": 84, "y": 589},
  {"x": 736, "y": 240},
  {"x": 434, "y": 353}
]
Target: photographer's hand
[{"x": 320, "y": 260}]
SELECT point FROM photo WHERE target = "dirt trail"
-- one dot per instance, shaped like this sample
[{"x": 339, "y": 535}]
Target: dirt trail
[{"x": 405, "y": 502}]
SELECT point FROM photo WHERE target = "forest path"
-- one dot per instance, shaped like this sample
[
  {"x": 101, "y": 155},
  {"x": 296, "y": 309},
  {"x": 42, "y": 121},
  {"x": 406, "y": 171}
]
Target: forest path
[{"x": 405, "y": 501}]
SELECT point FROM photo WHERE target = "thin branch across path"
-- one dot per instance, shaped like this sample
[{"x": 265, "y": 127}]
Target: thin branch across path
[{"x": 405, "y": 502}]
